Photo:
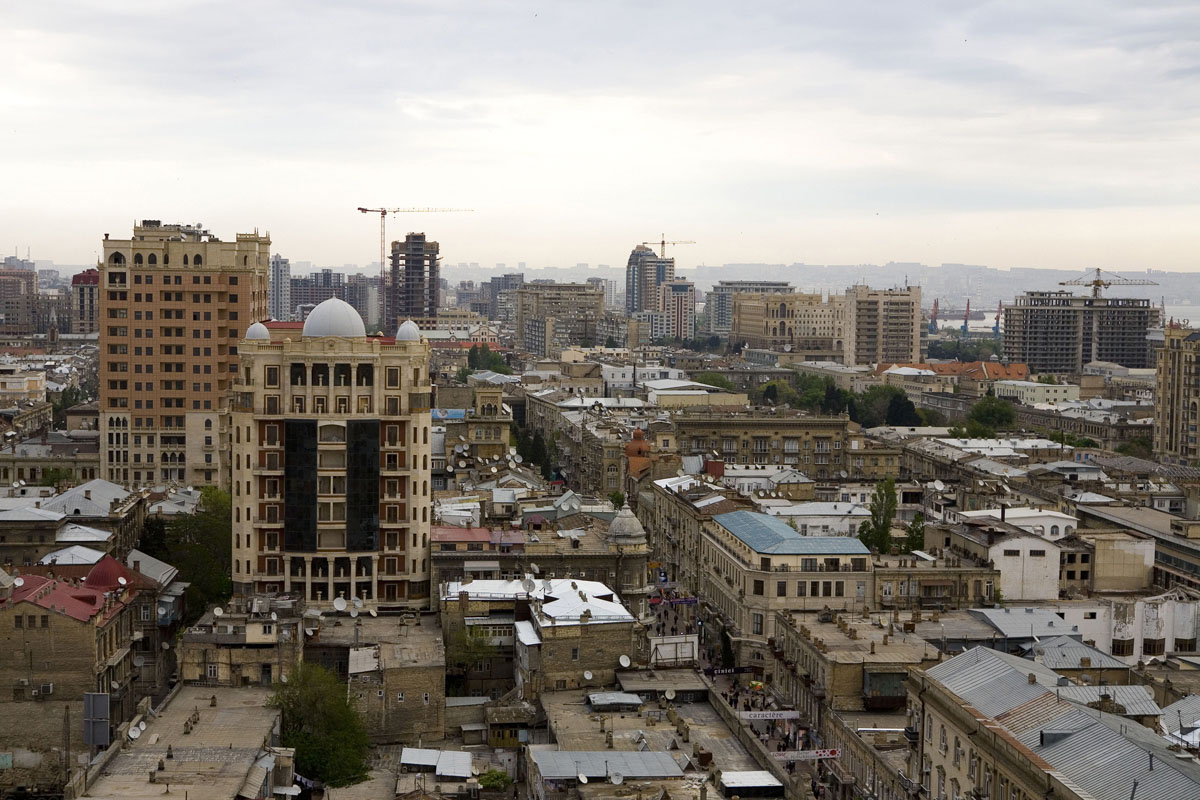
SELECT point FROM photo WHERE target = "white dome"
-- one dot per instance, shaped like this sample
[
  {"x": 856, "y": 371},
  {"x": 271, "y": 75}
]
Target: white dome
[
  {"x": 258, "y": 331},
  {"x": 334, "y": 317},
  {"x": 408, "y": 331}
]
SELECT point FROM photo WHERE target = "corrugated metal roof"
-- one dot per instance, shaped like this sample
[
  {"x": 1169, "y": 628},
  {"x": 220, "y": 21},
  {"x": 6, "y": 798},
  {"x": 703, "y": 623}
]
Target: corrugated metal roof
[
  {"x": 635, "y": 764},
  {"x": 1138, "y": 701},
  {"x": 453, "y": 764},
  {"x": 1186, "y": 709},
  {"x": 766, "y": 534},
  {"x": 1026, "y": 622},
  {"x": 991, "y": 681},
  {"x": 1063, "y": 652},
  {"x": 599, "y": 699}
]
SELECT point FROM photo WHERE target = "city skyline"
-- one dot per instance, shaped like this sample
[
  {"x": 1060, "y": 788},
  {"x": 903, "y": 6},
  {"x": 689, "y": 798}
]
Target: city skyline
[{"x": 1053, "y": 138}]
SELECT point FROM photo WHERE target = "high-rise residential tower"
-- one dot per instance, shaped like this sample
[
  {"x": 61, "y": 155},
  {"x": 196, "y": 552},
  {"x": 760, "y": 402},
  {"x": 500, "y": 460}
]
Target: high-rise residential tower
[
  {"x": 644, "y": 273},
  {"x": 415, "y": 281},
  {"x": 280, "y": 303},
  {"x": 174, "y": 301},
  {"x": 1061, "y": 332},
  {"x": 677, "y": 301},
  {"x": 331, "y": 461}
]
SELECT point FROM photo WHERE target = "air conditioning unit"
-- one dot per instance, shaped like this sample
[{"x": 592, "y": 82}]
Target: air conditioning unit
[
  {"x": 35, "y": 693},
  {"x": 47, "y": 688},
  {"x": 23, "y": 681}
]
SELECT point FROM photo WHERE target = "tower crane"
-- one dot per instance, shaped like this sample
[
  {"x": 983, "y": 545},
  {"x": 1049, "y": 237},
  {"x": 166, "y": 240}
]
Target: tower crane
[
  {"x": 383, "y": 213},
  {"x": 662, "y": 245},
  {"x": 1102, "y": 280}
]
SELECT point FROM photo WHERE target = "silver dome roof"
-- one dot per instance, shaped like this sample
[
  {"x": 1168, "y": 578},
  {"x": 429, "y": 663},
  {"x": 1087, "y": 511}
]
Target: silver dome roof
[
  {"x": 258, "y": 331},
  {"x": 408, "y": 331}
]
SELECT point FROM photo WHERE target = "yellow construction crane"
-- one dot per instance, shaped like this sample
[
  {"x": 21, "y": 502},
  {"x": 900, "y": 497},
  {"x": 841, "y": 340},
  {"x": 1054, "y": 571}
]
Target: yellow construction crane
[
  {"x": 383, "y": 276},
  {"x": 1102, "y": 280},
  {"x": 662, "y": 244}
]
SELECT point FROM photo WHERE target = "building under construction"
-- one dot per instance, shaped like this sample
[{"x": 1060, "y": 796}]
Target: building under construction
[
  {"x": 1059, "y": 332},
  {"x": 415, "y": 280}
]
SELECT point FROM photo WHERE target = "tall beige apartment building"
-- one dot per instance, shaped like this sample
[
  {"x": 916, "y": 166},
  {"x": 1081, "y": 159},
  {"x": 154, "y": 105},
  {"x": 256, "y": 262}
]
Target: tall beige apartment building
[
  {"x": 883, "y": 326},
  {"x": 174, "y": 301},
  {"x": 1177, "y": 398},
  {"x": 331, "y": 461}
]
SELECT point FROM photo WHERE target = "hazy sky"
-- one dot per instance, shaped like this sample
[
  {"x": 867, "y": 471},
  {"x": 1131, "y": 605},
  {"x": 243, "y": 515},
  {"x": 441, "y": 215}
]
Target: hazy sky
[{"x": 1012, "y": 133}]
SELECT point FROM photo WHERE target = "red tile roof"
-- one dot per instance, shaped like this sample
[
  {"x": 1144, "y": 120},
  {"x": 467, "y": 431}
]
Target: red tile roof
[{"x": 450, "y": 533}]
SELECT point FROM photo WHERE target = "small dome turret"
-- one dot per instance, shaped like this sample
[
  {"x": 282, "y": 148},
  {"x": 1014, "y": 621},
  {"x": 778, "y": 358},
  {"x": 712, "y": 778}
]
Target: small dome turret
[
  {"x": 408, "y": 331},
  {"x": 258, "y": 331}
]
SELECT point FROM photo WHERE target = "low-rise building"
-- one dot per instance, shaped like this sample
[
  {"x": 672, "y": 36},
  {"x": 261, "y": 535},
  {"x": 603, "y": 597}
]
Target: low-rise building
[
  {"x": 252, "y": 641},
  {"x": 1029, "y": 393},
  {"x": 1028, "y": 564}
]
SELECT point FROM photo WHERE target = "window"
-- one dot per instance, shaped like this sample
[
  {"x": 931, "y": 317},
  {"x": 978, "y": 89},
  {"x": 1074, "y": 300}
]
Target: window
[
  {"x": 213, "y": 671},
  {"x": 574, "y": 653},
  {"x": 1037, "y": 553},
  {"x": 781, "y": 589},
  {"x": 942, "y": 738},
  {"x": 800, "y": 588},
  {"x": 18, "y": 621},
  {"x": 1122, "y": 647},
  {"x": 758, "y": 587},
  {"x": 1012, "y": 553},
  {"x": 1154, "y": 647},
  {"x": 399, "y": 697},
  {"x": 758, "y": 624},
  {"x": 839, "y": 588}
]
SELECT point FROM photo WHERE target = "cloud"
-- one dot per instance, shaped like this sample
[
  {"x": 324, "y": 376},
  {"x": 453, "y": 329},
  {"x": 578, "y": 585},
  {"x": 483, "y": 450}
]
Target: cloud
[{"x": 578, "y": 128}]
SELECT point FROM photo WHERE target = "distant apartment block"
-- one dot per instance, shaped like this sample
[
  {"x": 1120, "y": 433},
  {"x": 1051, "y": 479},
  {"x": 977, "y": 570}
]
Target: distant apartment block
[
  {"x": 1177, "y": 397},
  {"x": 551, "y": 316},
  {"x": 415, "y": 282},
  {"x": 645, "y": 272},
  {"x": 719, "y": 304},
  {"x": 1059, "y": 331},
  {"x": 280, "y": 287},
  {"x": 677, "y": 301},
  {"x": 85, "y": 288},
  {"x": 882, "y": 325}
]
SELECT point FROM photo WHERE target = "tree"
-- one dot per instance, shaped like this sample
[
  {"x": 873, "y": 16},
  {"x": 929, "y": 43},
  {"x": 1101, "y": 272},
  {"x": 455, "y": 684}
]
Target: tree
[
  {"x": 1138, "y": 447},
  {"x": 610, "y": 342},
  {"x": 56, "y": 475},
  {"x": 495, "y": 780},
  {"x": 994, "y": 413},
  {"x": 716, "y": 379},
  {"x": 468, "y": 648},
  {"x": 462, "y": 374},
  {"x": 617, "y": 498},
  {"x": 901, "y": 411},
  {"x": 915, "y": 534},
  {"x": 199, "y": 545},
  {"x": 877, "y": 532},
  {"x": 153, "y": 539},
  {"x": 317, "y": 719}
]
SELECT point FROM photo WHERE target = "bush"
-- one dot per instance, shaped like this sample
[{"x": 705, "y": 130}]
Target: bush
[{"x": 495, "y": 780}]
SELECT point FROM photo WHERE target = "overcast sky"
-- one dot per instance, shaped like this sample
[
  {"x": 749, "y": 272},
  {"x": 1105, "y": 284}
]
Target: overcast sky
[{"x": 1010, "y": 133}]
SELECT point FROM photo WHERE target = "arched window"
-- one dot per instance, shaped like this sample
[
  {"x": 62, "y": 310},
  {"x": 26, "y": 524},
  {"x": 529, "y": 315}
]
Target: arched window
[
  {"x": 185, "y": 259},
  {"x": 152, "y": 259},
  {"x": 137, "y": 258},
  {"x": 245, "y": 260},
  {"x": 208, "y": 424},
  {"x": 196, "y": 260},
  {"x": 1054, "y": 530},
  {"x": 116, "y": 258}
]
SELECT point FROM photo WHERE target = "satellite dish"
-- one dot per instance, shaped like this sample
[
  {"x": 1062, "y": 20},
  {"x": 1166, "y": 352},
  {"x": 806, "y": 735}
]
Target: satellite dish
[
  {"x": 939, "y": 485},
  {"x": 587, "y": 675},
  {"x": 166, "y": 645},
  {"x": 274, "y": 616},
  {"x": 493, "y": 470},
  {"x": 449, "y": 468},
  {"x": 373, "y": 612},
  {"x": 669, "y": 694},
  {"x": 512, "y": 451},
  {"x": 18, "y": 582},
  {"x": 134, "y": 733},
  {"x": 142, "y": 725},
  {"x": 532, "y": 568},
  {"x": 358, "y": 602},
  {"x": 340, "y": 604},
  {"x": 283, "y": 678},
  {"x": 528, "y": 585},
  {"x": 518, "y": 458},
  {"x": 218, "y": 612},
  {"x": 624, "y": 661},
  {"x": 353, "y": 612},
  {"x": 162, "y": 611},
  {"x": 582, "y": 778},
  {"x": 189, "y": 488},
  {"x": 308, "y": 631},
  {"x": 138, "y": 661},
  {"x": 787, "y": 348},
  {"x": 616, "y": 779},
  {"x": 462, "y": 464},
  {"x": 121, "y": 580}
]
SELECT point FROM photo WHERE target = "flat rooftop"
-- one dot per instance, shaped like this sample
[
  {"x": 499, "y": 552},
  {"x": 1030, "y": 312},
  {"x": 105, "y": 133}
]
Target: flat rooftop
[
  {"x": 659, "y": 680},
  {"x": 577, "y": 728},
  {"x": 400, "y": 644},
  {"x": 212, "y": 761},
  {"x": 843, "y": 648}
]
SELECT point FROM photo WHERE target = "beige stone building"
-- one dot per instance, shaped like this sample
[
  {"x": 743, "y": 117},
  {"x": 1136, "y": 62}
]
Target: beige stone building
[
  {"x": 1177, "y": 398},
  {"x": 252, "y": 641},
  {"x": 553, "y": 316},
  {"x": 797, "y": 322},
  {"x": 331, "y": 455},
  {"x": 174, "y": 301},
  {"x": 883, "y": 325}
]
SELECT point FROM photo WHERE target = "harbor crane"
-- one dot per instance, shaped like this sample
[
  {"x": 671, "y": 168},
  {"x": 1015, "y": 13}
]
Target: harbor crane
[{"x": 1102, "y": 280}]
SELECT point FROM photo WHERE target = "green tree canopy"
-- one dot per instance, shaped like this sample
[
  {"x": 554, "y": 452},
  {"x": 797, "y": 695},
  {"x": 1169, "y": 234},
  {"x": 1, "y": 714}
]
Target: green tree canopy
[
  {"x": 317, "y": 719},
  {"x": 877, "y": 531},
  {"x": 200, "y": 546},
  {"x": 994, "y": 413},
  {"x": 715, "y": 379},
  {"x": 617, "y": 497},
  {"x": 915, "y": 534},
  {"x": 901, "y": 411}
]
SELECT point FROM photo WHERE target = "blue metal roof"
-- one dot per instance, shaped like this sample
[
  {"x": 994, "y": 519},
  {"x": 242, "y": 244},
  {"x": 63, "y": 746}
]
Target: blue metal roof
[{"x": 767, "y": 534}]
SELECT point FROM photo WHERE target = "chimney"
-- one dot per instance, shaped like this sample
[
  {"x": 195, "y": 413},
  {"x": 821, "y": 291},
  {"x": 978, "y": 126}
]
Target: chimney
[
  {"x": 1032, "y": 678},
  {"x": 137, "y": 565},
  {"x": 1002, "y": 512},
  {"x": 87, "y": 494},
  {"x": 1085, "y": 661},
  {"x": 872, "y": 648}
]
